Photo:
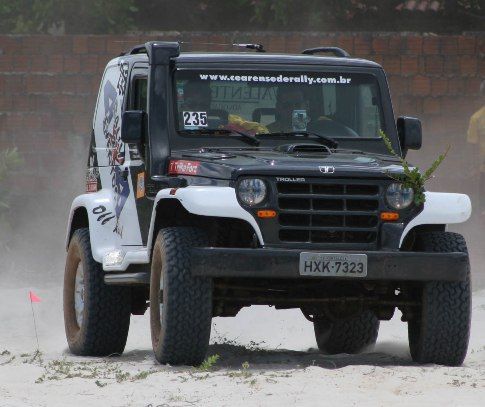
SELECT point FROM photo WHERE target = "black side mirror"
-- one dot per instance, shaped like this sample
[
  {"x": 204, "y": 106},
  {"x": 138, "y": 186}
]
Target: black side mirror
[
  {"x": 410, "y": 133},
  {"x": 133, "y": 126}
]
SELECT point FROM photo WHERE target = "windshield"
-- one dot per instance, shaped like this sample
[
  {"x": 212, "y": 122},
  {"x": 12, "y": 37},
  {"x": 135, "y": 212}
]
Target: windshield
[{"x": 266, "y": 103}]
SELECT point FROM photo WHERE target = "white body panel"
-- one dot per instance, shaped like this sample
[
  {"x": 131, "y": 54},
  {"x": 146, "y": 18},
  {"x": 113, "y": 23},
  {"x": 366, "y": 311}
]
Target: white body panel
[
  {"x": 100, "y": 208},
  {"x": 441, "y": 208}
]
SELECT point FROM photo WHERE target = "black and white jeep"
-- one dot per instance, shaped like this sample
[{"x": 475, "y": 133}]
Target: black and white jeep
[{"x": 217, "y": 181}]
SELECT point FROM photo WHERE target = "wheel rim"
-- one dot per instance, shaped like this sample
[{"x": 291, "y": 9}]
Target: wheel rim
[
  {"x": 79, "y": 294},
  {"x": 160, "y": 299}
]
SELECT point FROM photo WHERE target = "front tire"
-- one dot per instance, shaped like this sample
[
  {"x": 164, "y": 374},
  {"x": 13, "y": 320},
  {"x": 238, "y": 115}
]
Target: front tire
[
  {"x": 350, "y": 335},
  {"x": 96, "y": 316},
  {"x": 440, "y": 333},
  {"x": 180, "y": 304}
]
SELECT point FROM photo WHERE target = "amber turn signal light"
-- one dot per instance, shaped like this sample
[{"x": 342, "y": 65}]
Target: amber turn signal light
[
  {"x": 266, "y": 213},
  {"x": 389, "y": 216}
]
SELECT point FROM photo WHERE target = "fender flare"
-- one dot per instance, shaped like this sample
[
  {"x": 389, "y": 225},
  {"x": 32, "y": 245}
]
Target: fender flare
[
  {"x": 101, "y": 236},
  {"x": 205, "y": 201},
  {"x": 441, "y": 208}
]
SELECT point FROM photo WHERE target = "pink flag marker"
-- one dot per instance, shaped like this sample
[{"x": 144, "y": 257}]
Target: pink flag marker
[{"x": 33, "y": 297}]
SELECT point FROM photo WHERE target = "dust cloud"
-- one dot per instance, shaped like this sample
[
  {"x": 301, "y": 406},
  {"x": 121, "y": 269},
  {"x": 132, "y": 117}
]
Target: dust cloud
[
  {"x": 278, "y": 346},
  {"x": 34, "y": 254}
]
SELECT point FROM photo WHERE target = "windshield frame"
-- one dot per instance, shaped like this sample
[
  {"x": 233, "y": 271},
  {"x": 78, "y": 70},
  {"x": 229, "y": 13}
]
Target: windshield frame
[{"x": 370, "y": 144}]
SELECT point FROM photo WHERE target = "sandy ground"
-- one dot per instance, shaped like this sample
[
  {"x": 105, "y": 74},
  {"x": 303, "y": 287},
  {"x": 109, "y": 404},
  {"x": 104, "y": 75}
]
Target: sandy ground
[{"x": 267, "y": 358}]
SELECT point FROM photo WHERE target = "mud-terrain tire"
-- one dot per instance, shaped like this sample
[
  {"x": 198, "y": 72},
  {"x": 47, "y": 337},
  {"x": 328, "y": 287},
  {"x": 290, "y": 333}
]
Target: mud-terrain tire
[
  {"x": 181, "y": 336},
  {"x": 441, "y": 331},
  {"x": 350, "y": 335},
  {"x": 106, "y": 311}
]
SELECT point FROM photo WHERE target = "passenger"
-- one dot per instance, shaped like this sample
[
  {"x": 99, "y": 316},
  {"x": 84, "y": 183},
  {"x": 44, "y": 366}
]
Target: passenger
[{"x": 476, "y": 135}]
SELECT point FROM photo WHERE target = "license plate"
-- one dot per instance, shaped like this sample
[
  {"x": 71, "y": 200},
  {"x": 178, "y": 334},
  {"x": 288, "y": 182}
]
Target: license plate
[{"x": 333, "y": 264}]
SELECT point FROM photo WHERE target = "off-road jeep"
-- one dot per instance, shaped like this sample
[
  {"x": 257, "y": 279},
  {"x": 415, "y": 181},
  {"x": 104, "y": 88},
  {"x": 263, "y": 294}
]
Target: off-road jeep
[{"x": 216, "y": 181}]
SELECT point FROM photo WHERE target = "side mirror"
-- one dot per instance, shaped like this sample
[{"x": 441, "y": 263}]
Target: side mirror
[
  {"x": 133, "y": 126},
  {"x": 410, "y": 133}
]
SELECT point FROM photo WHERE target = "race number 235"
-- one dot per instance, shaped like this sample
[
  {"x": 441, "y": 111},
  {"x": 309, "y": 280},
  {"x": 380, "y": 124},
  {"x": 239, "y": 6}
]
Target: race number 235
[{"x": 195, "y": 119}]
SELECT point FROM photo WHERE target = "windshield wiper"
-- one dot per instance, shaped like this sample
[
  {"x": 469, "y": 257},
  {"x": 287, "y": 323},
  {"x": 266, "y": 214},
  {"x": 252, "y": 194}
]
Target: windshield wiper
[
  {"x": 351, "y": 151},
  {"x": 249, "y": 138},
  {"x": 329, "y": 141}
]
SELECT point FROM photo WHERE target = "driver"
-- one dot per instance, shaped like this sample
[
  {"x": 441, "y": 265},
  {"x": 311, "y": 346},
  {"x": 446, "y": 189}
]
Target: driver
[
  {"x": 288, "y": 99},
  {"x": 197, "y": 96}
]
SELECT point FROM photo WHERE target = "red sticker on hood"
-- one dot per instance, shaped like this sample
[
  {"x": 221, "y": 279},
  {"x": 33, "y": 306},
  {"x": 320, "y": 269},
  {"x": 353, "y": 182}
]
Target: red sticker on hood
[{"x": 183, "y": 167}]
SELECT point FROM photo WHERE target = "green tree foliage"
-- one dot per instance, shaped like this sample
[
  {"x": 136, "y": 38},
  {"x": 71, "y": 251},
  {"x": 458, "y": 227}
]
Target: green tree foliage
[
  {"x": 9, "y": 160},
  {"x": 66, "y": 16},
  {"x": 119, "y": 16}
]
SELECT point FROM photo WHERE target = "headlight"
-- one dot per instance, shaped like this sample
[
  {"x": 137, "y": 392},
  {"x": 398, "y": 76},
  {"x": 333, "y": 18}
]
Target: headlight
[
  {"x": 251, "y": 191},
  {"x": 399, "y": 197}
]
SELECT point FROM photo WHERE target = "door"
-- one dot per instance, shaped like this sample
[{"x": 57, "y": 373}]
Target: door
[{"x": 113, "y": 158}]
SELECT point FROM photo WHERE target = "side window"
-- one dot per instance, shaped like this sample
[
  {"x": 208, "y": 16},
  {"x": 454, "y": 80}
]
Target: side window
[
  {"x": 110, "y": 150},
  {"x": 139, "y": 100}
]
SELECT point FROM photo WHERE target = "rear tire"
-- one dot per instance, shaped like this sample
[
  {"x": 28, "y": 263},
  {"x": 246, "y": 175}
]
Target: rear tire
[
  {"x": 350, "y": 335},
  {"x": 180, "y": 328},
  {"x": 441, "y": 331},
  {"x": 101, "y": 325}
]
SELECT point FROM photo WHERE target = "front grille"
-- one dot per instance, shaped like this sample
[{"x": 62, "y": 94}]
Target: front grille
[{"x": 328, "y": 211}]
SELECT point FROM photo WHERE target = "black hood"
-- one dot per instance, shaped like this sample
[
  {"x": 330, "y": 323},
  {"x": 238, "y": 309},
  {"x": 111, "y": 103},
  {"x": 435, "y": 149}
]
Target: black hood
[{"x": 231, "y": 163}]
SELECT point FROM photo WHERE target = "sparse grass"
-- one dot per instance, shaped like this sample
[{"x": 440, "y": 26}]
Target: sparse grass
[
  {"x": 100, "y": 384},
  {"x": 242, "y": 373},
  {"x": 7, "y": 353},
  {"x": 8, "y": 361},
  {"x": 208, "y": 363},
  {"x": 142, "y": 375},
  {"x": 107, "y": 371}
]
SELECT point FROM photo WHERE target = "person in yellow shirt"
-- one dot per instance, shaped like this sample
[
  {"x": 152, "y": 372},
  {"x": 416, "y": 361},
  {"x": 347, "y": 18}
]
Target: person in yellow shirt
[{"x": 476, "y": 135}]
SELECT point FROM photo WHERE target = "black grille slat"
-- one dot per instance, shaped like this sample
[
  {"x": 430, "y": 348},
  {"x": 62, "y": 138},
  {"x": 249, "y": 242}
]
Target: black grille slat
[
  {"x": 362, "y": 205},
  {"x": 315, "y": 212},
  {"x": 329, "y": 196},
  {"x": 331, "y": 212},
  {"x": 328, "y": 228}
]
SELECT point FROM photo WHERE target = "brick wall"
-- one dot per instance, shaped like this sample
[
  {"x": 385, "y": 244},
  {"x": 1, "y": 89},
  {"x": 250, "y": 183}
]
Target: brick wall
[{"x": 48, "y": 87}]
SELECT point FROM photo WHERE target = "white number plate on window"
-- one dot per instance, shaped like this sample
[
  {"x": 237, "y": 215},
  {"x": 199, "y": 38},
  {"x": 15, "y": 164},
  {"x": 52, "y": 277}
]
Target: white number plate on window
[
  {"x": 333, "y": 264},
  {"x": 195, "y": 119}
]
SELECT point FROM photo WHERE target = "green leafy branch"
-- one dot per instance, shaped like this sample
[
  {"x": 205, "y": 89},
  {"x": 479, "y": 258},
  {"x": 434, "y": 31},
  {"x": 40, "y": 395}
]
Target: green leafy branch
[
  {"x": 413, "y": 178},
  {"x": 9, "y": 159}
]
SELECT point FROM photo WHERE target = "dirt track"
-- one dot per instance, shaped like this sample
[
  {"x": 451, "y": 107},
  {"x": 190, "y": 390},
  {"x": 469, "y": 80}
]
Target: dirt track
[{"x": 267, "y": 358}]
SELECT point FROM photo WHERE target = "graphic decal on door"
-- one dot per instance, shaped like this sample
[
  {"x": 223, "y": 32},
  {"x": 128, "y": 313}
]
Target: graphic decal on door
[{"x": 112, "y": 97}]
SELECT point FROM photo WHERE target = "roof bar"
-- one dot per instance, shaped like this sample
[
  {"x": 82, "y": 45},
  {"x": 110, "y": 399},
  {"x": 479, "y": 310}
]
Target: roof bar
[
  {"x": 256, "y": 47},
  {"x": 338, "y": 52}
]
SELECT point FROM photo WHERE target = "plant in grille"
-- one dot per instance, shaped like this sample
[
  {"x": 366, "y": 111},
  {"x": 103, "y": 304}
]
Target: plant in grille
[{"x": 412, "y": 177}]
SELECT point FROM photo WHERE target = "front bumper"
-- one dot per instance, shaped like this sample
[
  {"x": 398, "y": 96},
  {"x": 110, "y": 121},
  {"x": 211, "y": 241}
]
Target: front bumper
[{"x": 284, "y": 263}]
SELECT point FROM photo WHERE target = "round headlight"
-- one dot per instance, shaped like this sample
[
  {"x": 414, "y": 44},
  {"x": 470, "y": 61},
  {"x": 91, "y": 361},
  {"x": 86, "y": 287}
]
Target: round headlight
[
  {"x": 251, "y": 191},
  {"x": 399, "y": 197}
]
